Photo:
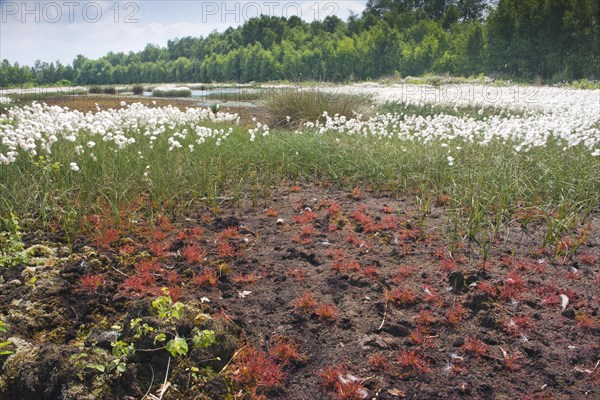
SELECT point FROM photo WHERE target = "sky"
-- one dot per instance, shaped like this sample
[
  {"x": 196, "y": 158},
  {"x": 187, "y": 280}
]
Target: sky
[{"x": 52, "y": 30}]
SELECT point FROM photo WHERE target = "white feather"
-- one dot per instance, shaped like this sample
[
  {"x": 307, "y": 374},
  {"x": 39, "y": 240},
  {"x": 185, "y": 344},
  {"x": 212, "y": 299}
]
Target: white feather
[{"x": 564, "y": 301}]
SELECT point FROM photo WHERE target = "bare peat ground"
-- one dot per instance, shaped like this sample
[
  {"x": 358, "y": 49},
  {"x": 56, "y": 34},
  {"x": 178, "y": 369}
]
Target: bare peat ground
[
  {"x": 317, "y": 294},
  {"x": 91, "y": 103}
]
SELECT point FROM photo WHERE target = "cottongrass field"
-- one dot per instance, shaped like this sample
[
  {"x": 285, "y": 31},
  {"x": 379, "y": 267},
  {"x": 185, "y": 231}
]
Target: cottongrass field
[{"x": 492, "y": 152}]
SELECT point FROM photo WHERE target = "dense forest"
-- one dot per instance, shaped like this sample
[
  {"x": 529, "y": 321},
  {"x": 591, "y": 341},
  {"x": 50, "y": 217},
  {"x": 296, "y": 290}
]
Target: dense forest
[{"x": 552, "y": 40}]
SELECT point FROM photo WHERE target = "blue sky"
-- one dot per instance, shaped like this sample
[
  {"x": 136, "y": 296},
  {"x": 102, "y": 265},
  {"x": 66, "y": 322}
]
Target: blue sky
[{"x": 52, "y": 30}]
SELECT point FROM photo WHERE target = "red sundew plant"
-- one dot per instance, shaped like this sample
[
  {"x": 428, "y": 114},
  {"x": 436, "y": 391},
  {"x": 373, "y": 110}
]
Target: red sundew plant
[
  {"x": 336, "y": 253},
  {"x": 518, "y": 325},
  {"x": 543, "y": 251},
  {"x": 487, "y": 289},
  {"x": 225, "y": 250},
  {"x": 564, "y": 246},
  {"x": 573, "y": 275},
  {"x": 302, "y": 240},
  {"x": 297, "y": 274},
  {"x": 424, "y": 318},
  {"x": 271, "y": 212},
  {"x": 164, "y": 224},
  {"x": 229, "y": 233},
  {"x": 144, "y": 281},
  {"x": 306, "y": 302},
  {"x": 295, "y": 189},
  {"x": 412, "y": 360},
  {"x": 195, "y": 233},
  {"x": 106, "y": 237},
  {"x": 410, "y": 233},
  {"x": 254, "y": 369},
  {"x": 364, "y": 220},
  {"x": 448, "y": 265},
  {"x": 305, "y": 217},
  {"x": 128, "y": 249},
  {"x": 159, "y": 235},
  {"x": 378, "y": 362},
  {"x": 341, "y": 384},
  {"x": 353, "y": 239},
  {"x": 91, "y": 282},
  {"x": 455, "y": 315},
  {"x": 307, "y": 231},
  {"x": 403, "y": 273},
  {"x": 454, "y": 368},
  {"x": 208, "y": 277},
  {"x": 333, "y": 209},
  {"x": 538, "y": 397},
  {"x": 513, "y": 287},
  {"x": 388, "y": 223},
  {"x": 248, "y": 279},
  {"x": 365, "y": 247},
  {"x": 441, "y": 253},
  {"x": 193, "y": 253},
  {"x": 370, "y": 271},
  {"x": 585, "y": 322},
  {"x": 333, "y": 226},
  {"x": 159, "y": 249},
  {"x": 181, "y": 235},
  {"x": 420, "y": 336},
  {"x": 172, "y": 277},
  {"x": 342, "y": 266},
  {"x": 551, "y": 299},
  {"x": 528, "y": 266},
  {"x": 206, "y": 218},
  {"x": 443, "y": 200},
  {"x": 286, "y": 351},
  {"x": 327, "y": 312},
  {"x": 475, "y": 346},
  {"x": 387, "y": 209},
  {"x": 506, "y": 260},
  {"x": 175, "y": 293},
  {"x": 356, "y": 193},
  {"x": 148, "y": 266},
  {"x": 431, "y": 297},
  {"x": 141, "y": 284},
  {"x": 401, "y": 297},
  {"x": 510, "y": 361},
  {"x": 589, "y": 258}
]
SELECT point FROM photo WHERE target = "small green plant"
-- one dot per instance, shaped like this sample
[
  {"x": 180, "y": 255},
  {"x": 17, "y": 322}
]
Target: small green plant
[
  {"x": 11, "y": 246},
  {"x": 100, "y": 361},
  {"x": 166, "y": 309},
  {"x": 169, "y": 312},
  {"x": 4, "y": 329}
]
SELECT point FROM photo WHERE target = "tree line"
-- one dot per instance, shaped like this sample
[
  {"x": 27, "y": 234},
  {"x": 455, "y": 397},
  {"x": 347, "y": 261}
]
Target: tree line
[{"x": 514, "y": 39}]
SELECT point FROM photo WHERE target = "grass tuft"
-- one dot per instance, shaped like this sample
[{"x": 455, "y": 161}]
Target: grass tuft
[
  {"x": 295, "y": 106},
  {"x": 171, "y": 91}
]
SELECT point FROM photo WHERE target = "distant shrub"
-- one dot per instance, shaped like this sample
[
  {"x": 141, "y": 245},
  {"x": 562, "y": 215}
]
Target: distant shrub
[
  {"x": 171, "y": 91},
  {"x": 138, "y": 90},
  {"x": 295, "y": 106},
  {"x": 64, "y": 82},
  {"x": 109, "y": 90},
  {"x": 95, "y": 90},
  {"x": 246, "y": 95}
]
